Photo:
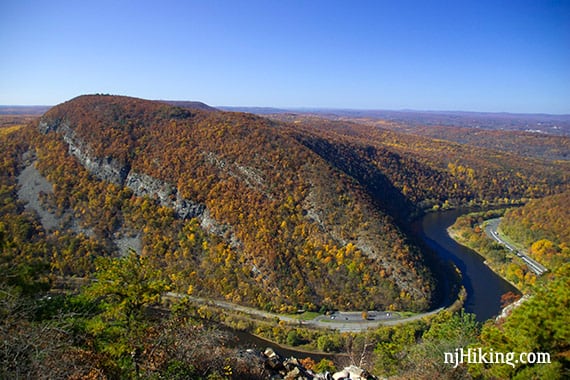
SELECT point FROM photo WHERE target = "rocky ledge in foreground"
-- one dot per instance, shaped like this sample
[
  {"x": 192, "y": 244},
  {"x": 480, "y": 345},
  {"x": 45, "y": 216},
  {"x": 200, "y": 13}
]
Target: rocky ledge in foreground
[{"x": 292, "y": 369}]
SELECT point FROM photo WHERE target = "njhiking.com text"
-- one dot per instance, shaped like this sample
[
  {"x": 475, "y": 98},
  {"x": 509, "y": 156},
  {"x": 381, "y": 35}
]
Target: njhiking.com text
[{"x": 479, "y": 356}]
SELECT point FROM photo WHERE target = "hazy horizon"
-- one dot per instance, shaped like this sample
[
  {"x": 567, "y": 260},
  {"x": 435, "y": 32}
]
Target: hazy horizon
[{"x": 316, "y": 109}]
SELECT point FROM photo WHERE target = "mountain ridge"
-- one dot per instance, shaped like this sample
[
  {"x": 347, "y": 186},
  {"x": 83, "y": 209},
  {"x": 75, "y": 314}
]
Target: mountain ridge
[
  {"x": 294, "y": 210},
  {"x": 298, "y": 213}
]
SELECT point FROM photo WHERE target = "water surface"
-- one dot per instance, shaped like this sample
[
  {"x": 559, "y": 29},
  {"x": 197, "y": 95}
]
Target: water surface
[{"x": 484, "y": 287}]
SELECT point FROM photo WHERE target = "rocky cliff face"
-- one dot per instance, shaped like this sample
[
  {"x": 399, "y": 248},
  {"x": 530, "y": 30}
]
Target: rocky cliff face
[
  {"x": 110, "y": 169},
  {"x": 168, "y": 196},
  {"x": 104, "y": 168}
]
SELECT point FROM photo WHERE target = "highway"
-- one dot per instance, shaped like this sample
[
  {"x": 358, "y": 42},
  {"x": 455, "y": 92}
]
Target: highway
[{"x": 491, "y": 231}]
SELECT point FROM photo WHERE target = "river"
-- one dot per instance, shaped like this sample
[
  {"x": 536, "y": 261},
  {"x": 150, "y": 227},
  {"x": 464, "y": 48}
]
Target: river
[{"x": 484, "y": 287}]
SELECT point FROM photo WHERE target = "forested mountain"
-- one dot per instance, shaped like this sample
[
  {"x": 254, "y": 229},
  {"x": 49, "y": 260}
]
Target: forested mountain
[
  {"x": 226, "y": 204},
  {"x": 435, "y": 172},
  {"x": 277, "y": 214},
  {"x": 293, "y": 212}
]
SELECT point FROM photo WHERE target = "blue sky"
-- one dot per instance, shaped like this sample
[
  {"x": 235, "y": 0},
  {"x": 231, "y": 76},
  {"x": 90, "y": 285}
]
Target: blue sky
[{"x": 511, "y": 56}]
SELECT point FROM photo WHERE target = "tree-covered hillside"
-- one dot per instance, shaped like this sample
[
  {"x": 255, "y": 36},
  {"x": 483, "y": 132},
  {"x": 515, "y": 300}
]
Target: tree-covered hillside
[
  {"x": 281, "y": 215},
  {"x": 226, "y": 204},
  {"x": 434, "y": 172},
  {"x": 542, "y": 227}
]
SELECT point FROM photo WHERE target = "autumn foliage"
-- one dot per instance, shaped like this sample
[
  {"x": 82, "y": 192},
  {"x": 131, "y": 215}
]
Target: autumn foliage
[
  {"x": 302, "y": 213},
  {"x": 290, "y": 230}
]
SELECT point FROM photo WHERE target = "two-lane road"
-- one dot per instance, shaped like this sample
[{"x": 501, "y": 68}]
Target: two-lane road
[
  {"x": 340, "y": 320},
  {"x": 491, "y": 231}
]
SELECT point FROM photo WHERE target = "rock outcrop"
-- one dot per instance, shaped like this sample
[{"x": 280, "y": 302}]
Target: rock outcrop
[
  {"x": 104, "y": 168},
  {"x": 292, "y": 369},
  {"x": 274, "y": 200},
  {"x": 168, "y": 196},
  {"x": 111, "y": 170},
  {"x": 507, "y": 310}
]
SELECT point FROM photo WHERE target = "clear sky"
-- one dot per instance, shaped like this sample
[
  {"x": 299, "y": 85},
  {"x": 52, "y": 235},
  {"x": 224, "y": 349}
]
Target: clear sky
[{"x": 478, "y": 55}]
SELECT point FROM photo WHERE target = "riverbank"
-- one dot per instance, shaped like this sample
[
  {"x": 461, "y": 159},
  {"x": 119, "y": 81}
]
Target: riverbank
[
  {"x": 465, "y": 242},
  {"x": 469, "y": 231},
  {"x": 483, "y": 286},
  {"x": 480, "y": 293},
  {"x": 314, "y": 335}
]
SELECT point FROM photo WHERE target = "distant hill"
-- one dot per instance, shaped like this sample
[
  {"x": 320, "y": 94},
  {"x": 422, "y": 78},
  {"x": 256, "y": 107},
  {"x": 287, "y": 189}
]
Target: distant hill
[
  {"x": 435, "y": 172},
  {"x": 539, "y": 123},
  {"x": 409, "y": 120},
  {"x": 256, "y": 110},
  {"x": 189, "y": 105},
  {"x": 525, "y": 143},
  {"x": 23, "y": 110}
]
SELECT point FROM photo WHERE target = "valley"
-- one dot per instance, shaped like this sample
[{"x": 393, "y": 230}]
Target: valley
[
  {"x": 269, "y": 190},
  {"x": 267, "y": 216}
]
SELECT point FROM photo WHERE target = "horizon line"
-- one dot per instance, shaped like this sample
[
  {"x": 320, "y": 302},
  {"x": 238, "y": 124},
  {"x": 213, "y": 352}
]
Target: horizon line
[{"x": 324, "y": 109}]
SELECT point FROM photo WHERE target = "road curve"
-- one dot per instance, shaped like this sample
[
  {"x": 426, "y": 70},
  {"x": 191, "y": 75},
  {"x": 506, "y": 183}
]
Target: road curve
[
  {"x": 491, "y": 231},
  {"x": 342, "y": 321}
]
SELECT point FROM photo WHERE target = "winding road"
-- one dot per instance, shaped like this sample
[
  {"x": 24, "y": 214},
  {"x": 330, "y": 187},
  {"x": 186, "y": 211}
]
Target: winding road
[
  {"x": 491, "y": 231},
  {"x": 339, "y": 320},
  {"x": 353, "y": 322}
]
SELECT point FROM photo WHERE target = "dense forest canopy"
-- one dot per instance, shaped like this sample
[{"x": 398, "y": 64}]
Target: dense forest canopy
[
  {"x": 304, "y": 215},
  {"x": 432, "y": 171},
  {"x": 296, "y": 213}
]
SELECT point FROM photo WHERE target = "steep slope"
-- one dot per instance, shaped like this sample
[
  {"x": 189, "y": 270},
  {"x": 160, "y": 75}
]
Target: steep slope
[
  {"x": 430, "y": 172},
  {"x": 258, "y": 217}
]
